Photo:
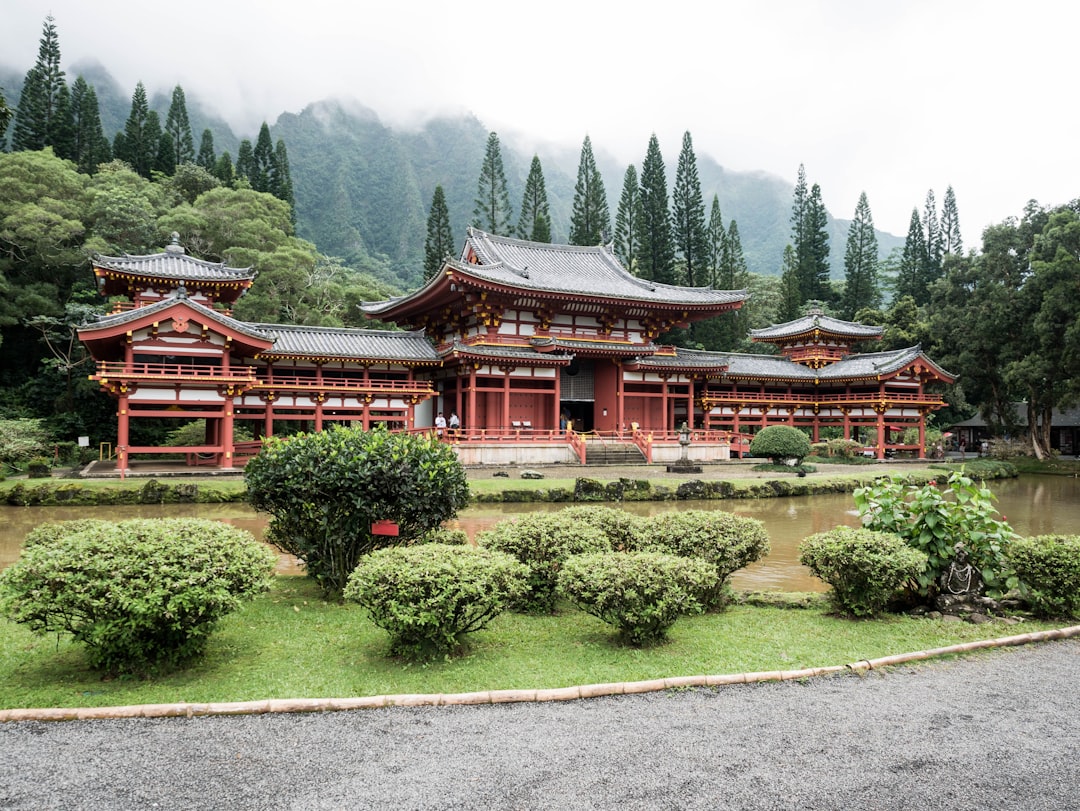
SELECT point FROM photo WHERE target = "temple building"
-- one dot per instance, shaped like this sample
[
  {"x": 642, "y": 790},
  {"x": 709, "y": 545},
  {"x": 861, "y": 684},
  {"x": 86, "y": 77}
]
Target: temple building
[{"x": 546, "y": 353}]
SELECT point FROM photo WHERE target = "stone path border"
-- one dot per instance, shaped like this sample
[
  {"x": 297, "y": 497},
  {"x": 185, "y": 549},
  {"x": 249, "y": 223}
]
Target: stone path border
[{"x": 188, "y": 710}]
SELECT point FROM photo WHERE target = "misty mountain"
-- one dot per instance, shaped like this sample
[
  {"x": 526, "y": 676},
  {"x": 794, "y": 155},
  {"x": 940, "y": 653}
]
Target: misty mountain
[{"x": 363, "y": 187}]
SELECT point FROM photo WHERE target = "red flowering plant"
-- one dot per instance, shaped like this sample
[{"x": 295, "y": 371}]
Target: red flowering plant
[{"x": 936, "y": 519}]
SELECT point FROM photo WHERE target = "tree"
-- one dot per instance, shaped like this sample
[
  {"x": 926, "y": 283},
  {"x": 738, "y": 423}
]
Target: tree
[
  {"x": 281, "y": 185},
  {"x": 912, "y": 262},
  {"x": 264, "y": 160},
  {"x": 206, "y": 157},
  {"x": 790, "y": 289},
  {"x": 492, "y": 212},
  {"x": 91, "y": 147},
  {"x": 951, "y": 243},
  {"x": 690, "y": 234},
  {"x": 440, "y": 239},
  {"x": 717, "y": 243},
  {"x": 813, "y": 254},
  {"x": 535, "y": 220},
  {"x": 931, "y": 267},
  {"x": 590, "y": 220},
  {"x": 6, "y": 114},
  {"x": 137, "y": 145},
  {"x": 62, "y": 125},
  {"x": 34, "y": 124},
  {"x": 179, "y": 129},
  {"x": 628, "y": 221},
  {"x": 657, "y": 255},
  {"x": 779, "y": 443},
  {"x": 860, "y": 263},
  {"x": 246, "y": 167}
]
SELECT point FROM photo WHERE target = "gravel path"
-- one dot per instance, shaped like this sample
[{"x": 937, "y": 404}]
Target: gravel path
[{"x": 995, "y": 730}]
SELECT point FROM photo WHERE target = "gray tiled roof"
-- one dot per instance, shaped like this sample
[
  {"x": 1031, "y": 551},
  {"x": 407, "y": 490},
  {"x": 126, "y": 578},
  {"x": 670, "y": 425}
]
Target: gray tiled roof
[
  {"x": 138, "y": 313},
  {"x": 764, "y": 367},
  {"x": 567, "y": 270},
  {"x": 816, "y": 320},
  {"x": 173, "y": 263},
  {"x": 330, "y": 342},
  {"x": 572, "y": 345},
  {"x": 505, "y": 352}
]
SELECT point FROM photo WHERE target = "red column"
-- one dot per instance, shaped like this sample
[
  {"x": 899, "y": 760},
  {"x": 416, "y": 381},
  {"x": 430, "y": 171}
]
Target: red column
[
  {"x": 227, "y": 446},
  {"x": 122, "y": 433}
]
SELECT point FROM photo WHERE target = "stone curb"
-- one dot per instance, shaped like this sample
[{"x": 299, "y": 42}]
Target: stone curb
[{"x": 187, "y": 710}]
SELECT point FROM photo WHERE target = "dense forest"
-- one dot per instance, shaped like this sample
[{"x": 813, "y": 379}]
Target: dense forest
[{"x": 331, "y": 207}]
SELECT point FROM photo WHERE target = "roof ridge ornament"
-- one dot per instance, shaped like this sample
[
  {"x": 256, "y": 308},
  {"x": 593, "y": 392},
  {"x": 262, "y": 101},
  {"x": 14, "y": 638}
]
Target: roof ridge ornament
[{"x": 175, "y": 246}]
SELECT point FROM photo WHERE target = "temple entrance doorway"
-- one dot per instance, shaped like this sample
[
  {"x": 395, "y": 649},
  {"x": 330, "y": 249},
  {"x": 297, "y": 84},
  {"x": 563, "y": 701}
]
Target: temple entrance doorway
[{"x": 578, "y": 412}]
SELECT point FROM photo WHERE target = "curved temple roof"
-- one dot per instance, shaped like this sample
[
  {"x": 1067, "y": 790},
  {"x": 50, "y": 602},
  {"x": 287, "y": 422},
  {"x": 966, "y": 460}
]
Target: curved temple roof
[{"x": 816, "y": 320}]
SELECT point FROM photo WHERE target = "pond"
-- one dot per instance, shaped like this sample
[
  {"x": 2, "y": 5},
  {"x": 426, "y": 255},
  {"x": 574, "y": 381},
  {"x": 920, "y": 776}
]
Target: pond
[{"x": 1033, "y": 505}]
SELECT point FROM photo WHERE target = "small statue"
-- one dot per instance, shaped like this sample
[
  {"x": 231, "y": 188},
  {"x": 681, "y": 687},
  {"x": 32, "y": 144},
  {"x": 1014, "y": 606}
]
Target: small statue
[{"x": 961, "y": 578}]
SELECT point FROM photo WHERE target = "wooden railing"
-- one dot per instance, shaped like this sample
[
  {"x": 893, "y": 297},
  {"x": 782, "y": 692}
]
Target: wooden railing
[
  {"x": 172, "y": 371},
  {"x": 757, "y": 398}
]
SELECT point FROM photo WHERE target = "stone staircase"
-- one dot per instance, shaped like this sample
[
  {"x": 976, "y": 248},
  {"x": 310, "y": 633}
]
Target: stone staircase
[{"x": 612, "y": 452}]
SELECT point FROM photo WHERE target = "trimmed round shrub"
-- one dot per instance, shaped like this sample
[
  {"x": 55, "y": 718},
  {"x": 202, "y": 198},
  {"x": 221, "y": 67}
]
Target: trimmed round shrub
[
  {"x": 865, "y": 568},
  {"x": 779, "y": 443},
  {"x": 427, "y": 597},
  {"x": 48, "y": 533},
  {"x": 726, "y": 541},
  {"x": 453, "y": 537},
  {"x": 640, "y": 593},
  {"x": 621, "y": 528},
  {"x": 1049, "y": 568},
  {"x": 325, "y": 490},
  {"x": 542, "y": 541},
  {"x": 142, "y": 595}
]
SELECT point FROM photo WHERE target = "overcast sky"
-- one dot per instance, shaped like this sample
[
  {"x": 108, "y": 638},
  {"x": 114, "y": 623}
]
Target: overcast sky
[{"x": 891, "y": 98}]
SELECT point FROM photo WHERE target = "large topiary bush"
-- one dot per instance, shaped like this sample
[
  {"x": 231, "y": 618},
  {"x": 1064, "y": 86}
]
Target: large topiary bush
[
  {"x": 780, "y": 443},
  {"x": 142, "y": 595},
  {"x": 727, "y": 541},
  {"x": 621, "y": 528},
  {"x": 325, "y": 490},
  {"x": 542, "y": 541},
  {"x": 427, "y": 597},
  {"x": 1049, "y": 568},
  {"x": 640, "y": 593},
  {"x": 864, "y": 568}
]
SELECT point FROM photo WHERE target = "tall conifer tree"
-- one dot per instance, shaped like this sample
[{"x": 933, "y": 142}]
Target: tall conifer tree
[
  {"x": 628, "y": 221},
  {"x": 657, "y": 256},
  {"x": 590, "y": 219},
  {"x": 206, "y": 157},
  {"x": 534, "y": 222},
  {"x": 245, "y": 162},
  {"x": 912, "y": 262},
  {"x": 6, "y": 114},
  {"x": 950, "y": 225},
  {"x": 860, "y": 263},
  {"x": 179, "y": 128},
  {"x": 34, "y": 125},
  {"x": 791, "y": 300},
  {"x": 281, "y": 185},
  {"x": 264, "y": 160},
  {"x": 717, "y": 236},
  {"x": 137, "y": 144},
  {"x": 440, "y": 239},
  {"x": 62, "y": 125},
  {"x": 492, "y": 212},
  {"x": 91, "y": 147},
  {"x": 691, "y": 238},
  {"x": 813, "y": 254},
  {"x": 931, "y": 270}
]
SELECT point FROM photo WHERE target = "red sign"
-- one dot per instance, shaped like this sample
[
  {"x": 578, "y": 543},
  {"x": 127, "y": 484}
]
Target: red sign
[{"x": 384, "y": 527}]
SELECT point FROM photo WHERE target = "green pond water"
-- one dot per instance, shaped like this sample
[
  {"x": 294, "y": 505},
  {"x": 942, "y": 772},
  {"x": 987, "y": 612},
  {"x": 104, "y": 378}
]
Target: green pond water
[{"x": 1033, "y": 505}]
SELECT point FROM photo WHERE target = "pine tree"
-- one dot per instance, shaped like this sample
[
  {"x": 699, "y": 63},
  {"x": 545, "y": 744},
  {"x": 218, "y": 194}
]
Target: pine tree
[
  {"x": 628, "y": 221},
  {"x": 791, "y": 299},
  {"x": 860, "y": 263},
  {"x": 950, "y": 225},
  {"x": 535, "y": 220},
  {"x": 814, "y": 254},
  {"x": 912, "y": 261},
  {"x": 179, "y": 128},
  {"x": 40, "y": 95},
  {"x": 931, "y": 270},
  {"x": 62, "y": 125},
  {"x": 492, "y": 212},
  {"x": 91, "y": 147},
  {"x": 264, "y": 160},
  {"x": 165, "y": 159},
  {"x": 137, "y": 144},
  {"x": 691, "y": 237},
  {"x": 245, "y": 163},
  {"x": 159, "y": 160},
  {"x": 6, "y": 114},
  {"x": 281, "y": 185},
  {"x": 440, "y": 239},
  {"x": 657, "y": 256},
  {"x": 590, "y": 220},
  {"x": 206, "y": 157},
  {"x": 717, "y": 237},
  {"x": 224, "y": 170}
]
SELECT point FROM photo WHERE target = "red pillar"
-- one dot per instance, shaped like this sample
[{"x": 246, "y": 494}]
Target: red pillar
[
  {"x": 227, "y": 446},
  {"x": 122, "y": 433}
]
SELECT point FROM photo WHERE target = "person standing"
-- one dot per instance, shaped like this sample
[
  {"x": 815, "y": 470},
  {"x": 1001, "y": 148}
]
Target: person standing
[
  {"x": 454, "y": 424},
  {"x": 440, "y": 425}
]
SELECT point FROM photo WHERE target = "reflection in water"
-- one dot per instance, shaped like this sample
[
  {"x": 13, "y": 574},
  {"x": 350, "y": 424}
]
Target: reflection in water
[{"x": 1033, "y": 505}]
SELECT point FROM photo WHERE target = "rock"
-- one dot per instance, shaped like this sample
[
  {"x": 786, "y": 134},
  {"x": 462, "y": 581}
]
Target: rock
[
  {"x": 979, "y": 619},
  {"x": 531, "y": 474},
  {"x": 500, "y": 474}
]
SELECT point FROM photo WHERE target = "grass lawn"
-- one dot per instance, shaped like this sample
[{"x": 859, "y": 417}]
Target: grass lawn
[{"x": 290, "y": 643}]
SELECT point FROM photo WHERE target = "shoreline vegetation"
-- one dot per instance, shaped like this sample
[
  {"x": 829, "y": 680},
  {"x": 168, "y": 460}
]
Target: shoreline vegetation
[{"x": 556, "y": 484}]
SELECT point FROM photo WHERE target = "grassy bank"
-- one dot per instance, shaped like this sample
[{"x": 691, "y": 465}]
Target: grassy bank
[{"x": 290, "y": 643}]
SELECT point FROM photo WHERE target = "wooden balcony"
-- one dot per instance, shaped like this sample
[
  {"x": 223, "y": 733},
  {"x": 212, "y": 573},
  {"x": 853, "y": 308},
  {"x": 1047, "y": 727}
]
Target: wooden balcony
[{"x": 171, "y": 373}]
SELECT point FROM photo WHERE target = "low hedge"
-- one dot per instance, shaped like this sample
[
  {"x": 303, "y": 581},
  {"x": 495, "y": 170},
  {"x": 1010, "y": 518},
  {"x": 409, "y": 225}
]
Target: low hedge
[
  {"x": 142, "y": 595},
  {"x": 642, "y": 594},
  {"x": 726, "y": 541},
  {"x": 428, "y": 596},
  {"x": 542, "y": 541},
  {"x": 864, "y": 568},
  {"x": 1049, "y": 568}
]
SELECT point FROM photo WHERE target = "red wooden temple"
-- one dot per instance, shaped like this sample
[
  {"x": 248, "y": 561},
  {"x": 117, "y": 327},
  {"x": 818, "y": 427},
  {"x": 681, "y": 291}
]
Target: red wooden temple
[{"x": 546, "y": 354}]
